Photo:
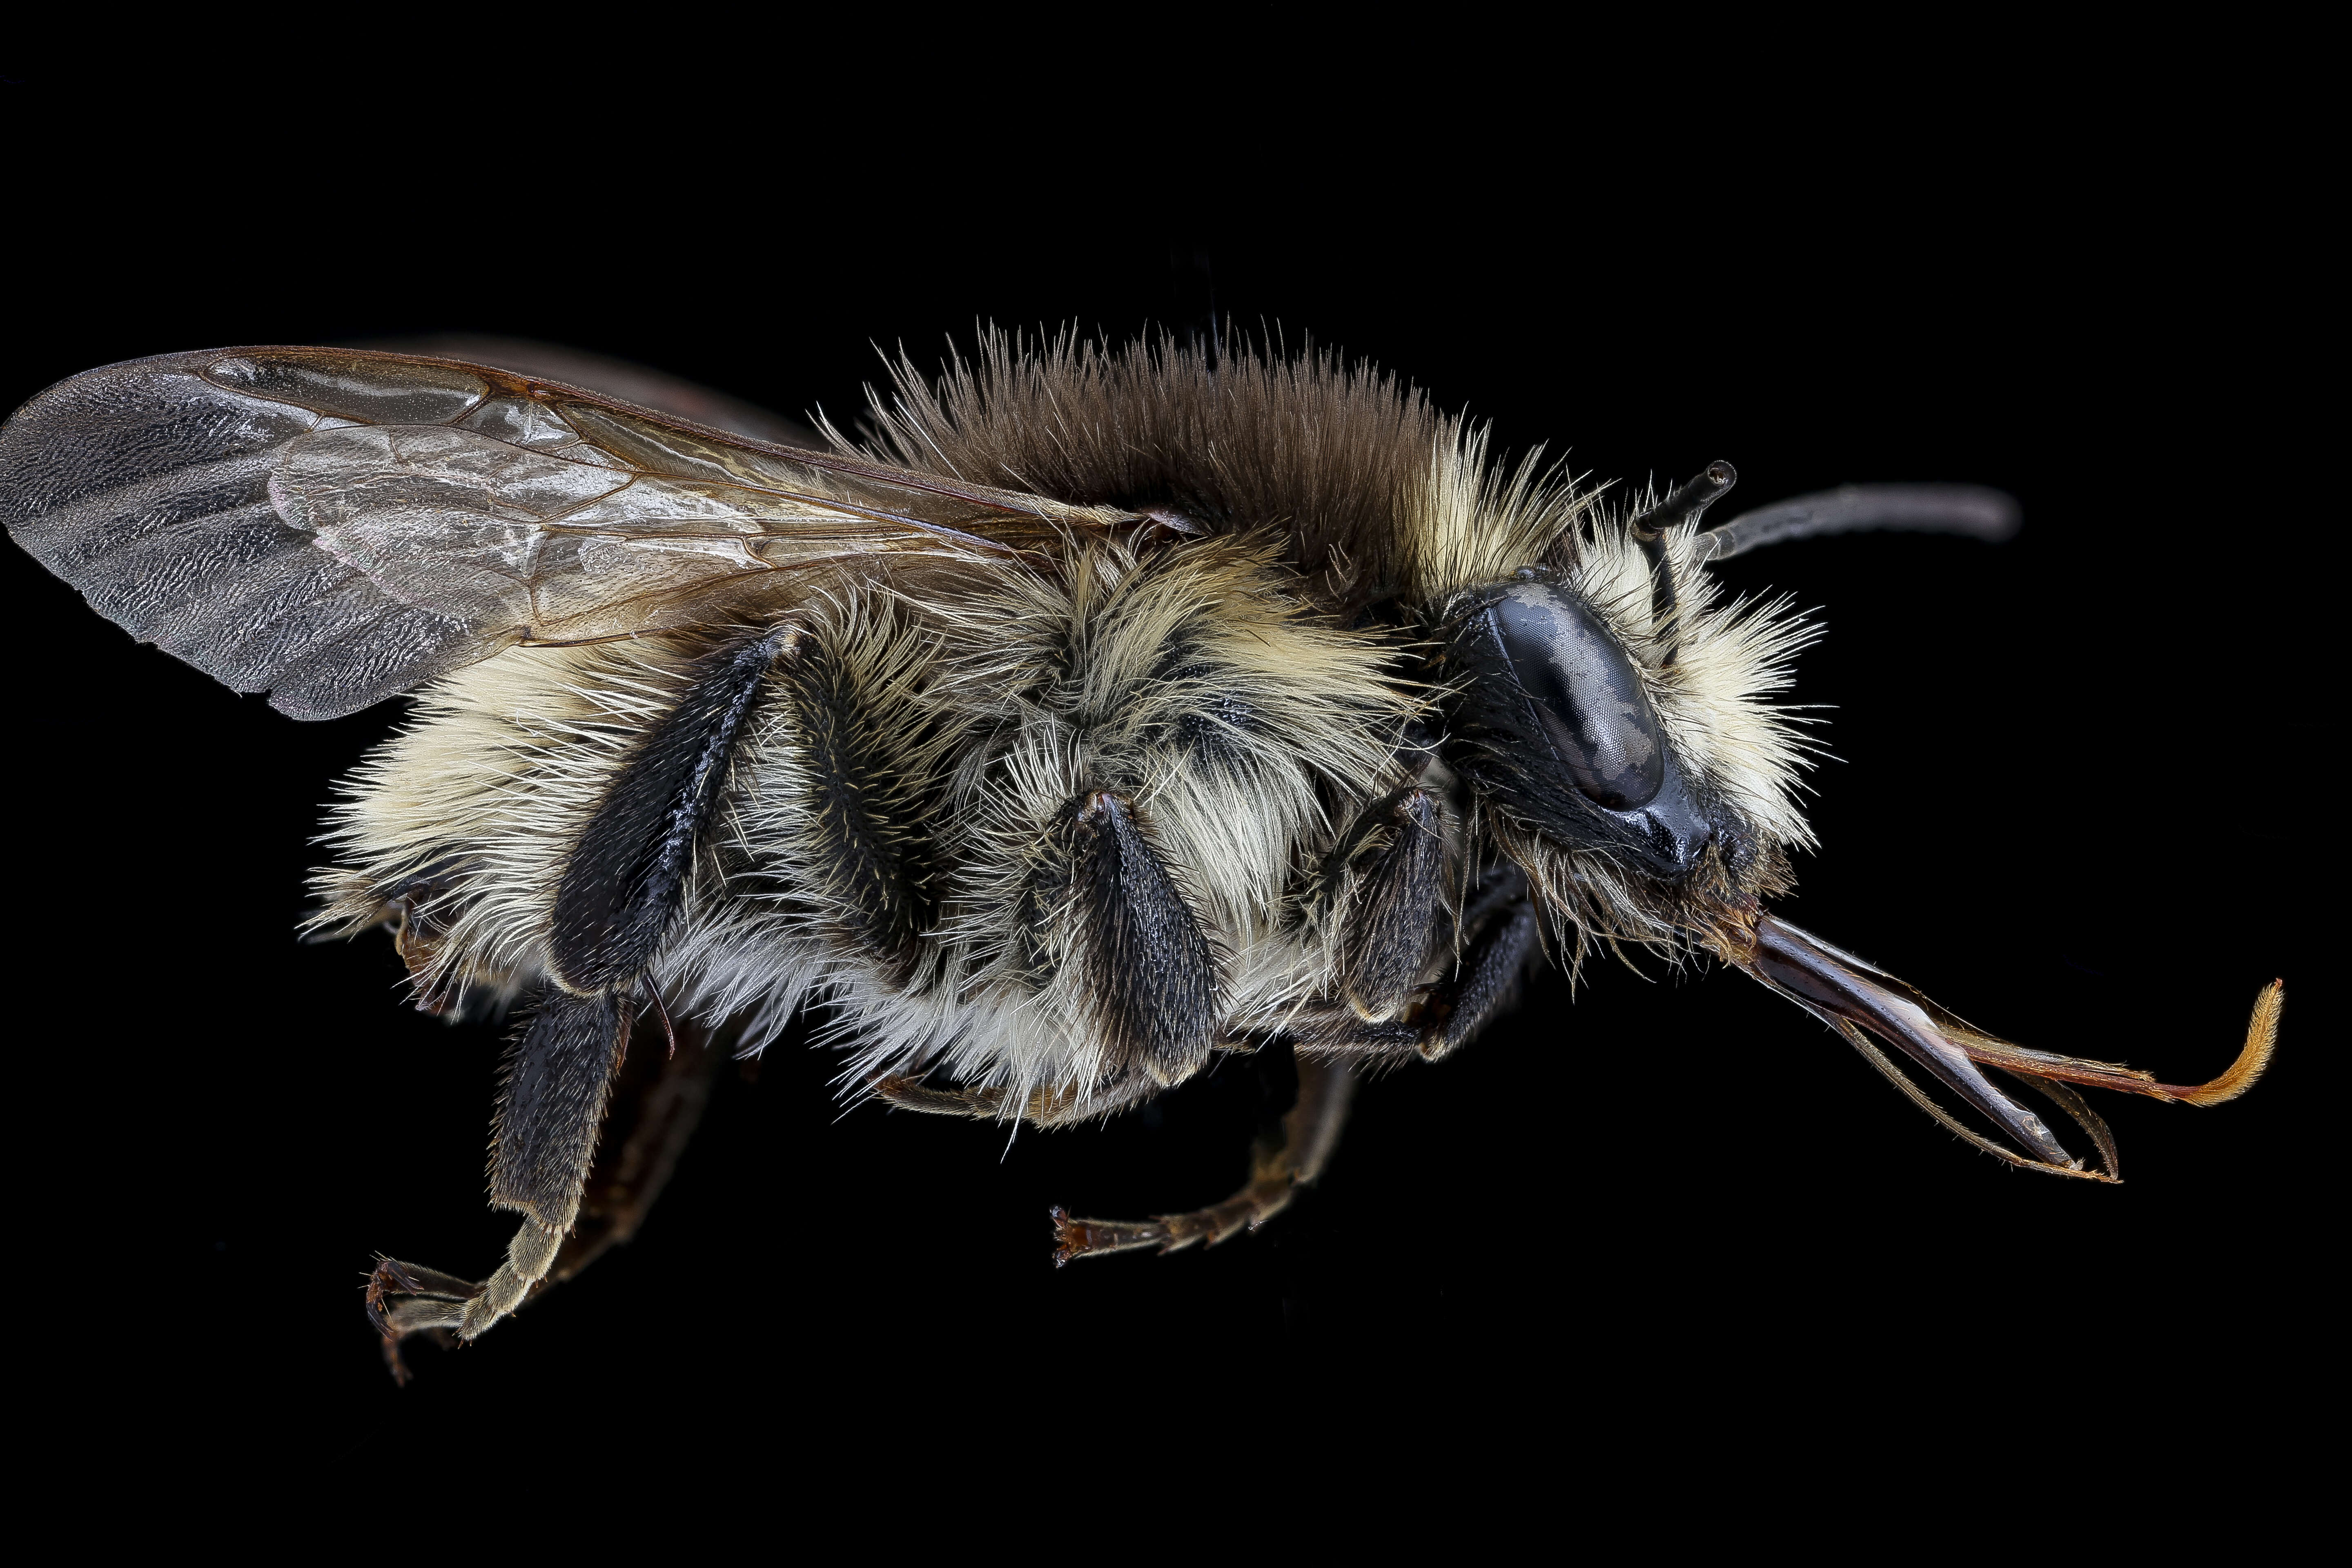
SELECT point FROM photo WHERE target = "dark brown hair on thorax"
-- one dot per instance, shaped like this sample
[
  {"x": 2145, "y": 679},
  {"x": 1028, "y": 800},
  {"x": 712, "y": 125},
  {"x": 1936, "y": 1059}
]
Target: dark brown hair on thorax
[{"x": 1234, "y": 439}]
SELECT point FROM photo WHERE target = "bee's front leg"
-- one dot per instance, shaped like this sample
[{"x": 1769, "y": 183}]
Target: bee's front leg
[{"x": 1502, "y": 941}]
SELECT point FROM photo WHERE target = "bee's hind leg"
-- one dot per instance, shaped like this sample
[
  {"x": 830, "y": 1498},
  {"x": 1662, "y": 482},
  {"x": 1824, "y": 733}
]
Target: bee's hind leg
[
  {"x": 621, "y": 890},
  {"x": 1279, "y": 1166},
  {"x": 657, "y": 1099},
  {"x": 404, "y": 1300}
]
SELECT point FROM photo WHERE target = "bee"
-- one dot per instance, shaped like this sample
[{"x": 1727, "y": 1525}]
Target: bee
[{"x": 1103, "y": 709}]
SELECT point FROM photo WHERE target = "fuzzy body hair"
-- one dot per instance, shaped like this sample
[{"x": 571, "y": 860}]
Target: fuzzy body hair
[{"x": 1244, "y": 695}]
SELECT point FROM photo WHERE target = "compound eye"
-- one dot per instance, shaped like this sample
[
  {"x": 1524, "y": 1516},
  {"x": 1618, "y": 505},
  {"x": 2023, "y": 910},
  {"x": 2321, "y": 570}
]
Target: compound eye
[{"x": 1587, "y": 695}]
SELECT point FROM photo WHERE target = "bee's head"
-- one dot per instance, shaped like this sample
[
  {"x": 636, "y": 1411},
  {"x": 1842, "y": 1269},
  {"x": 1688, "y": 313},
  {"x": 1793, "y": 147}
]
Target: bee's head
[
  {"x": 1552, "y": 722},
  {"x": 1607, "y": 715}
]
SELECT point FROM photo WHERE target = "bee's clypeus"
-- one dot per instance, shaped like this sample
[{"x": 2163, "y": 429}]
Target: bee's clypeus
[{"x": 1107, "y": 710}]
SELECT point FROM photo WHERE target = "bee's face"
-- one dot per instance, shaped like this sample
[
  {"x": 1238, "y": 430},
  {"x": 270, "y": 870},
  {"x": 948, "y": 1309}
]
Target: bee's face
[{"x": 1551, "y": 720}]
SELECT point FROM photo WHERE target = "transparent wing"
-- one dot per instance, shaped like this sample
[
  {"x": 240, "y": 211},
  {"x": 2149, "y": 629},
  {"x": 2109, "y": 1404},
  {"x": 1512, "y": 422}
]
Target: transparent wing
[
  {"x": 671, "y": 396},
  {"x": 335, "y": 526}
]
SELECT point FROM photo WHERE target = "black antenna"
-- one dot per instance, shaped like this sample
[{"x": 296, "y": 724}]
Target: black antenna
[
  {"x": 1684, "y": 503},
  {"x": 1970, "y": 509}
]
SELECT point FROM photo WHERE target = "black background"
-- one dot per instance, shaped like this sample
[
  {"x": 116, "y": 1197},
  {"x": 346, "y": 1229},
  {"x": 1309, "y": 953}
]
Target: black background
[{"x": 2075, "y": 799}]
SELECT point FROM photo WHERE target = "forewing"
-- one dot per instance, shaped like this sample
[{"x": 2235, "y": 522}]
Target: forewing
[{"x": 335, "y": 526}]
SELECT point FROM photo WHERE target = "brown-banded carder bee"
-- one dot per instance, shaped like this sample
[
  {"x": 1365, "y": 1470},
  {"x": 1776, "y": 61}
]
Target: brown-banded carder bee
[{"x": 1102, "y": 709}]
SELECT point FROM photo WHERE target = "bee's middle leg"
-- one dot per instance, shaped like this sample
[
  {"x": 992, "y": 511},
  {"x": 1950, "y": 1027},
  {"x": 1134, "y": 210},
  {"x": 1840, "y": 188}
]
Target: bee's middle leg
[
  {"x": 907, "y": 1091},
  {"x": 1387, "y": 881},
  {"x": 1279, "y": 1166}
]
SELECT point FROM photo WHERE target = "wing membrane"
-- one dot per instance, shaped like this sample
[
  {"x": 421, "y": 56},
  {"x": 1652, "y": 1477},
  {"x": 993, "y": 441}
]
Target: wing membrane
[{"x": 335, "y": 526}]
